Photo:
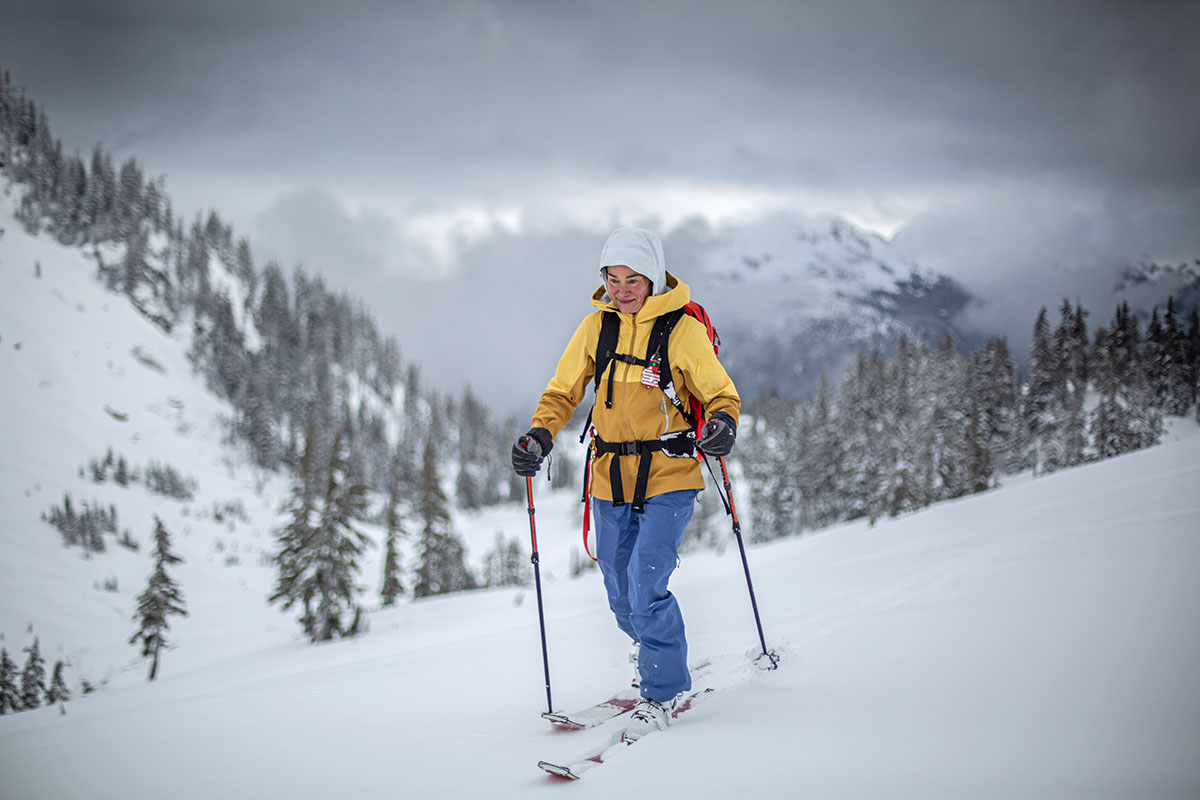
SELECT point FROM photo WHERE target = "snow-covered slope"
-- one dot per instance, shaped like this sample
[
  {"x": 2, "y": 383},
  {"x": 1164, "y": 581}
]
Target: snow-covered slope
[{"x": 83, "y": 373}]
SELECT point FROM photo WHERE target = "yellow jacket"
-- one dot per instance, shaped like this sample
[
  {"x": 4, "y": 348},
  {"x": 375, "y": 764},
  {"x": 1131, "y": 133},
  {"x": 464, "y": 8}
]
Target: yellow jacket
[{"x": 639, "y": 413}]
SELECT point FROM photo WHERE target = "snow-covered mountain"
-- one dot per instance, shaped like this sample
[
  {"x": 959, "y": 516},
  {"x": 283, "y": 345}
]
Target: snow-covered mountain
[{"x": 796, "y": 297}]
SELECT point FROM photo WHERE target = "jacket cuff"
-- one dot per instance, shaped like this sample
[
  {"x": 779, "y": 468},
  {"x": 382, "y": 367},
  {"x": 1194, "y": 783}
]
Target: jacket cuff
[
  {"x": 728, "y": 420},
  {"x": 542, "y": 437}
]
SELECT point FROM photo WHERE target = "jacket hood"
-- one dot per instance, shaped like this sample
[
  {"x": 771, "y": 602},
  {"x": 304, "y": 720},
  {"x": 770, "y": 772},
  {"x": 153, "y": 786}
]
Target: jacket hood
[{"x": 638, "y": 249}]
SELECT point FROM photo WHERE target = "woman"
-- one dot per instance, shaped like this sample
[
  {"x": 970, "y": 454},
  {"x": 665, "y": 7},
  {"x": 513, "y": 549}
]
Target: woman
[{"x": 643, "y": 442}]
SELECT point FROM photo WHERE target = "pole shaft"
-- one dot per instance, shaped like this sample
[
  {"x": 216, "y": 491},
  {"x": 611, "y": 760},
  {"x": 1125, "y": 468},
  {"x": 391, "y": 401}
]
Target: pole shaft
[
  {"x": 737, "y": 533},
  {"x": 537, "y": 580}
]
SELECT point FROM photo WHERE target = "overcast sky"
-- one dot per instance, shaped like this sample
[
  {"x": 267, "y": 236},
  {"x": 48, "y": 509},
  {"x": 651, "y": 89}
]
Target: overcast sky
[{"x": 419, "y": 153}]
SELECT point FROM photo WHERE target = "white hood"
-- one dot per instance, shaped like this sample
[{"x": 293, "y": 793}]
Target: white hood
[{"x": 638, "y": 249}]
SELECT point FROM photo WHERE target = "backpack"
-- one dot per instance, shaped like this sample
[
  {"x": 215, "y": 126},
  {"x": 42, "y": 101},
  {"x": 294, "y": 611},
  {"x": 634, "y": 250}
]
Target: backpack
[{"x": 656, "y": 371}]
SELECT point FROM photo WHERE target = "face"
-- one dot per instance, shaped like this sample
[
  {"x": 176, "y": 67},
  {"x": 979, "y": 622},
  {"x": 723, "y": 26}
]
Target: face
[{"x": 627, "y": 288}]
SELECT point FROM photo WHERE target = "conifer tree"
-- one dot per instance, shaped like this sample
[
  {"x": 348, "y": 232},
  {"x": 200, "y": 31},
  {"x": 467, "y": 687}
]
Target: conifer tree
[
  {"x": 442, "y": 566},
  {"x": 10, "y": 696},
  {"x": 1109, "y": 428},
  {"x": 1154, "y": 360},
  {"x": 295, "y": 538},
  {"x": 1176, "y": 371},
  {"x": 821, "y": 460},
  {"x": 33, "y": 677},
  {"x": 161, "y": 599},
  {"x": 947, "y": 424},
  {"x": 999, "y": 409},
  {"x": 58, "y": 691},
  {"x": 1070, "y": 340},
  {"x": 1125, "y": 418},
  {"x": 504, "y": 564},
  {"x": 392, "y": 586},
  {"x": 1043, "y": 408},
  {"x": 321, "y": 547},
  {"x": 1191, "y": 351},
  {"x": 768, "y": 462},
  {"x": 861, "y": 422},
  {"x": 978, "y": 454}
]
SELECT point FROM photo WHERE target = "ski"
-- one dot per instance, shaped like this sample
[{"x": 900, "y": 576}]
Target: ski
[
  {"x": 605, "y": 710},
  {"x": 613, "y": 746},
  {"x": 596, "y": 714}
]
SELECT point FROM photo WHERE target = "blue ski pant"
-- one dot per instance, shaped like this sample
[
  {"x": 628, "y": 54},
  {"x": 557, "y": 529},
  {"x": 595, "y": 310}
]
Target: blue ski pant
[{"x": 637, "y": 554}]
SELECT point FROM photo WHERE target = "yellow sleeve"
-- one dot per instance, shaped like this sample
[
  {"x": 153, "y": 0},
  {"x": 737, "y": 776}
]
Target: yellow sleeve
[
  {"x": 571, "y": 378},
  {"x": 703, "y": 375}
]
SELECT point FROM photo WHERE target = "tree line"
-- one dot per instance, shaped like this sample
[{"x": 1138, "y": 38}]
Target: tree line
[
  {"x": 917, "y": 425},
  {"x": 26, "y": 688}
]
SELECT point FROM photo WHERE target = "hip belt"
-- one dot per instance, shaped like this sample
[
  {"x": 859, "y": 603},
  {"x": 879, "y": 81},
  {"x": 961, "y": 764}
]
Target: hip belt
[{"x": 681, "y": 444}]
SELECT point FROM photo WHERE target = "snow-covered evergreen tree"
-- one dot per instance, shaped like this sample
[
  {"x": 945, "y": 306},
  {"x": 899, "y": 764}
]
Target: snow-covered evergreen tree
[
  {"x": 1169, "y": 371},
  {"x": 392, "y": 586},
  {"x": 978, "y": 468},
  {"x": 504, "y": 564},
  {"x": 161, "y": 599},
  {"x": 1042, "y": 409},
  {"x": 822, "y": 457},
  {"x": 1071, "y": 346},
  {"x": 1125, "y": 418},
  {"x": 862, "y": 425},
  {"x": 1191, "y": 350},
  {"x": 33, "y": 677},
  {"x": 1000, "y": 414},
  {"x": 442, "y": 564},
  {"x": 764, "y": 451},
  {"x": 10, "y": 695},
  {"x": 948, "y": 405},
  {"x": 321, "y": 547},
  {"x": 58, "y": 691}
]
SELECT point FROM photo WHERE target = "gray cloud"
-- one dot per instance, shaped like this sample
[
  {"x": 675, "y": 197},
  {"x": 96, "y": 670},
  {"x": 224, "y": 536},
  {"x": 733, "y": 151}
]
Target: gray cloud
[
  {"x": 867, "y": 94},
  {"x": 436, "y": 150}
]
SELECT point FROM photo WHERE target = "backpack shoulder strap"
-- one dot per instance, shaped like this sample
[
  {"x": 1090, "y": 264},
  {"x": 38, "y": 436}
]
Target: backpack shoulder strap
[
  {"x": 606, "y": 351},
  {"x": 660, "y": 337},
  {"x": 606, "y": 343}
]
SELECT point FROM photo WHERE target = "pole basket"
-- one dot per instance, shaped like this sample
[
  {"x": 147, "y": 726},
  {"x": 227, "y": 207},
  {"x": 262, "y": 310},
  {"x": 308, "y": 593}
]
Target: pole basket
[{"x": 767, "y": 661}]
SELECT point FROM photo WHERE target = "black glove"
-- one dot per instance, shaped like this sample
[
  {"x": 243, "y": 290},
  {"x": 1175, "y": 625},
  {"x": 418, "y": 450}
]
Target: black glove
[
  {"x": 529, "y": 450},
  {"x": 717, "y": 435}
]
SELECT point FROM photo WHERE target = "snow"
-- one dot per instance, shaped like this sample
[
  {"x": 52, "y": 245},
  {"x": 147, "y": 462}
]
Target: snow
[{"x": 1037, "y": 641}]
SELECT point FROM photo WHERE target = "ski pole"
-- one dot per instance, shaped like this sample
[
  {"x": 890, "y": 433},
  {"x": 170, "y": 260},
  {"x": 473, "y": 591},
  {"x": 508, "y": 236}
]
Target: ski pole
[
  {"x": 737, "y": 533},
  {"x": 537, "y": 580}
]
